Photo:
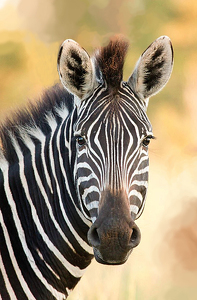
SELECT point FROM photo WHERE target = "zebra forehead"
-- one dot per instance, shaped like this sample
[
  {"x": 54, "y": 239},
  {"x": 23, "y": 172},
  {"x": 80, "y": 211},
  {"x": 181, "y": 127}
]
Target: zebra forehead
[{"x": 120, "y": 109}]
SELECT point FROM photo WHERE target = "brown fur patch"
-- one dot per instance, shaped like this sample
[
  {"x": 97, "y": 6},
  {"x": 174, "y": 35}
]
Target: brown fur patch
[{"x": 110, "y": 60}]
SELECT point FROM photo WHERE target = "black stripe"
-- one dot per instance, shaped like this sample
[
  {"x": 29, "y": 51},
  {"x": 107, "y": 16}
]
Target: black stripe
[{"x": 3, "y": 291}]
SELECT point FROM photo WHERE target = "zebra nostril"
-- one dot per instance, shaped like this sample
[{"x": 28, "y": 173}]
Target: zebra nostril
[
  {"x": 93, "y": 237},
  {"x": 135, "y": 237}
]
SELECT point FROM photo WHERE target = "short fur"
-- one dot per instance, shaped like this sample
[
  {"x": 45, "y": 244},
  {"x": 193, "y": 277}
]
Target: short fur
[{"x": 110, "y": 60}]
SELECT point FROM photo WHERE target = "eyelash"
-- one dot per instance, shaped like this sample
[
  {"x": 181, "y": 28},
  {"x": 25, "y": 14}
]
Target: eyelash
[{"x": 147, "y": 139}]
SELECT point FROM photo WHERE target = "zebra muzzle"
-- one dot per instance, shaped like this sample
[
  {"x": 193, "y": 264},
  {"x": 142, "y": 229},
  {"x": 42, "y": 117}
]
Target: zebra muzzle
[
  {"x": 111, "y": 247},
  {"x": 114, "y": 234}
]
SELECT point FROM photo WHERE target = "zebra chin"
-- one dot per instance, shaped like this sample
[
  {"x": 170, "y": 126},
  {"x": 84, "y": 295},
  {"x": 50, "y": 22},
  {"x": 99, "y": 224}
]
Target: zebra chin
[{"x": 115, "y": 261}]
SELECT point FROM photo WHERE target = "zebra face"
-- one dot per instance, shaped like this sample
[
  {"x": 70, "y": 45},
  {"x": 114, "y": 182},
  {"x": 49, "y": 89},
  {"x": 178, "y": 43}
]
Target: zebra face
[{"x": 112, "y": 134}]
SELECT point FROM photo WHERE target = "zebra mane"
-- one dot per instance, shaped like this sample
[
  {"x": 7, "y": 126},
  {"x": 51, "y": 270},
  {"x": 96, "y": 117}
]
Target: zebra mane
[
  {"x": 110, "y": 60},
  {"x": 52, "y": 101}
]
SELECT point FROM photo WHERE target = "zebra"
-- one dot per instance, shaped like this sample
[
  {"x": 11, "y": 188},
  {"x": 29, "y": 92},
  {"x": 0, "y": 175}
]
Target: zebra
[{"x": 74, "y": 169}]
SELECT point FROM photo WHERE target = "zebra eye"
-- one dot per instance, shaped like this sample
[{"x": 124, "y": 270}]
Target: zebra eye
[
  {"x": 81, "y": 140},
  {"x": 146, "y": 140}
]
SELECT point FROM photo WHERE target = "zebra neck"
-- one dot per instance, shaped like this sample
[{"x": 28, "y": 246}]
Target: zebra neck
[{"x": 50, "y": 233}]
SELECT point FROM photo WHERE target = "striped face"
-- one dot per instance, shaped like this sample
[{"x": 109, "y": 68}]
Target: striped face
[{"x": 112, "y": 136}]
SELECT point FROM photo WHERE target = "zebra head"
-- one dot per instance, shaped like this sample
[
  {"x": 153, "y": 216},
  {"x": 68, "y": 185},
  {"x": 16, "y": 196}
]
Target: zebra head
[{"x": 112, "y": 134}]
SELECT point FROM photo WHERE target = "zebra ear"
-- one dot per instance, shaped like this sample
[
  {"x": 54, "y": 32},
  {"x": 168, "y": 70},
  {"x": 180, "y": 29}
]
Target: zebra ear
[
  {"x": 75, "y": 69},
  {"x": 153, "y": 69}
]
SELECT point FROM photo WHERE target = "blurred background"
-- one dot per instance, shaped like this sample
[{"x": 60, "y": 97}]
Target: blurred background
[{"x": 164, "y": 266}]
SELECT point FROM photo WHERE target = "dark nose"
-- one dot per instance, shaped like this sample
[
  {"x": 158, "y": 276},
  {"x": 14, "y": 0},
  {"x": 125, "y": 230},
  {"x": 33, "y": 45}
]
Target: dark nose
[
  {"x": 113, "y": 241},
  {"x": 133, "y": 241}
]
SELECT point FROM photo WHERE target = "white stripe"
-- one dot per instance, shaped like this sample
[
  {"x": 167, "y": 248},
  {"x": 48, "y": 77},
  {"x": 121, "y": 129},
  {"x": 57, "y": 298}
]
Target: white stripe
[
  {"x": 93, "y": 219},
  {"x": 134, "y": 208},
  {"x": 111, "y": 158},
  {"x": 97, "y": 142},
  {"x": 49, "y": 267},
  {"x": 38, "y": 134},
  {"x": 138, "y": 172},
  {"x": 70, "y": 130},
  {"x": 89, "y": 190},
  {"x": 118, "y": 171},
  {"x": 86, "y": 178},
  {"x": 130, "y": 144},
  {"x": 107, "y": 165},
  {"x": 141, "y": 208},
  {"x": 142, "y": 171},
  {"x": 136, "y": 194},
  {"x": 140, "y": 183},
  {"x": 124, "y": 175},
  {"x": 127, "y": 160},
  {"x": 84, "y": 165},
  {"x": 62, "y": 111},
  {"x": 92, "y": 205},
  {"x": 3, "y": 271},
  {"x": 81, "y": 152}
]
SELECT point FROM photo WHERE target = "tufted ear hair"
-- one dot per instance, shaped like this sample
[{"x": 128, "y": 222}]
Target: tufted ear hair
[
  {"x": 153, "y": 69},
  {"x": 75, "y": 69}
]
